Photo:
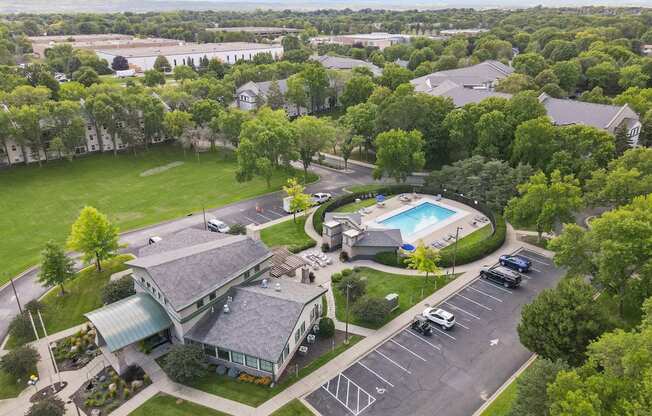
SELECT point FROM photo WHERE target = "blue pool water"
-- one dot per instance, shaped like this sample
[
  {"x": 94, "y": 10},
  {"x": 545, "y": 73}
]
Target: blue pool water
[{"x": 418, "y": 218}]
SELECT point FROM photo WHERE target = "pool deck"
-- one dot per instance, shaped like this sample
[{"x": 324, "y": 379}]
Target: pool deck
[{"x": 464, "y": 217}]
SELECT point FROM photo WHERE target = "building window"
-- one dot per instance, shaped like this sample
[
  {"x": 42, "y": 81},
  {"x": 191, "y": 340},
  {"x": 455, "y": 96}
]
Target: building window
[
  {"x": 223, "y": 354},
  {"x": 211, "y": 296},
  {"x": 251, "y": 361},
  {"x": 142, "y": 279},
  {"x": 303, "y": 327},
  {"x": 297, "y": 336},
  {"x": 13, "y": 147},
  {"x": 286, "y": 351},
  {"x": 237, "y": 357},
  {"x": 246, "y": 274},
  {"x": 149, "y": 286},
  {"x": 266, "y": 366},
  {"x": 92, "y": 147},
  {"x": 200, "y": 303},
  {"x": 257, "y": 268},
  {"x": 209, "y": 350}
]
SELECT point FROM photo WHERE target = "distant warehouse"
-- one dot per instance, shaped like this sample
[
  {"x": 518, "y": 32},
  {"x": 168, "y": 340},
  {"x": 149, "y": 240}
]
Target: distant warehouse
[{"x": 142, "y": 59}]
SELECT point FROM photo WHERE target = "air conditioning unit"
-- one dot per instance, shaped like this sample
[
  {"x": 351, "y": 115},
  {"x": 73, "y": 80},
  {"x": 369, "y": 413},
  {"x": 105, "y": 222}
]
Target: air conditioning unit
[
  {"x": 277, "y": 287},
  {"x": 263, "y": 284},
  {"x": 226, "y": 308}
]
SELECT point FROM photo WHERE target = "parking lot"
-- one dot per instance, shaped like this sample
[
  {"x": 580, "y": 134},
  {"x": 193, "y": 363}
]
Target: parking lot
[{"x": 450, "y": 373}]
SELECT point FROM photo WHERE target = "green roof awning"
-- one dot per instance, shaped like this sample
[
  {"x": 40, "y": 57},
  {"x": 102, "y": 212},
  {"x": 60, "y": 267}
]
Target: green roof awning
[{"x": 129, "y": 320}]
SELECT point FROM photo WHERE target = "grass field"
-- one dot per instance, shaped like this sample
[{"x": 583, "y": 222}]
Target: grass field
[
  {"x": 355, "y": 206},
  {"x": 165, "y": 405},
  {"x": 9, "y": 386},
  {"x": 503, "y": 403},
  {"x": 83, "y": 294},
  {"x": 294, "y": 408},
  {"x": 288, "y": 233},
  {"x": 411, "y": 290},
  {"x": 255, "y": 395},
  {"x": 39, "y": 204},
  {"x": 476, "y": 236}
]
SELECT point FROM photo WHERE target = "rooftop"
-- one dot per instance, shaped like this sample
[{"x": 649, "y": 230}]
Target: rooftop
[
  {"x": 565, "y": 112},
  {"x": 188, "y": 273},
  {"x": 254, "y": 29},
  {"x": 184, "y": 238},
  {"x": 189, "y": 47},
  {"x": 380, "y": 238},
  {"x": 268, "y": 316},
  {"x": 462, "y": 95},
  {"x": 78, "y": 38},
  {"x": 475, "y": 75},
  {"x": 339, "y": 62},
  {"x": 374, "y": 36}
]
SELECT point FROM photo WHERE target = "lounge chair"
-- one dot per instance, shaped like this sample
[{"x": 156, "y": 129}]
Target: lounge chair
[{"x": 404, "y": 198}]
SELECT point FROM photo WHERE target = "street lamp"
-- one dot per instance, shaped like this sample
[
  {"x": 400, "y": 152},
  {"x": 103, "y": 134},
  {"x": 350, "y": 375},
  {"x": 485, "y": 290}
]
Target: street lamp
[
  {"x": 346, "y": 330},
  {"x": 457, "y": 234},
  {"x": 20, "y": 309}
]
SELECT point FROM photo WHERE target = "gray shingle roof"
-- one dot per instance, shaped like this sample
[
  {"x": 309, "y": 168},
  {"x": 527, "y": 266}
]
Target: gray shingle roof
[
  {"x": 380, "y": 238},
  {"x": 462, "y": 95},
  {"x": 339, "y": 62},
  {"x": 482, "y": 73},
  {"x": 262, "y": 88},
  {"x": 353, "y": 216},
  {"x": 260, "y": 321},
  {"x": 184, "y": 275},
  {"x": 564, "y": 112},
  {"x": 184, "y": 238}
]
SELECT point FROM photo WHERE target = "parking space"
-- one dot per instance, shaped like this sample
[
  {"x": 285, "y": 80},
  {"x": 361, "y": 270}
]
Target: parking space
[{"x": 452, "y": 371}]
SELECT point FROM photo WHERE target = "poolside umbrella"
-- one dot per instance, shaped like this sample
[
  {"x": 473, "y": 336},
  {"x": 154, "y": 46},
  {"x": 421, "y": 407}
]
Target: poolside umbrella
[
  {"x": 380, "y": 198},
  {"x": 408, "y": 247}
]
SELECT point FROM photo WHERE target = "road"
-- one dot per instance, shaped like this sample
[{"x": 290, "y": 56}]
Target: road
[
  {"x": 451, "y": 373},
  {"x": 243, "y": 212}
]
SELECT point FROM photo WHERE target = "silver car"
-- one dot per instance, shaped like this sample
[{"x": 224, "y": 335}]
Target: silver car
[{"x": 440, "y": 317}]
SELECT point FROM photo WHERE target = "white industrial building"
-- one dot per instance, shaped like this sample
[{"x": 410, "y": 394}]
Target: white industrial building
[{"x": 142, "y": 59}]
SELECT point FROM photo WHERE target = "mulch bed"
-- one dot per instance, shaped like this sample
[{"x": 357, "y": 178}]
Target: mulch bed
[{"x": 47, "y": 392}]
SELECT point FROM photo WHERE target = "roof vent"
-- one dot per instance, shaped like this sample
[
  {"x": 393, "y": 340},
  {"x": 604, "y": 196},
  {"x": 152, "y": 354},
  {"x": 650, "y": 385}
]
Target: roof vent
[
  {"x": 212, "y": 309},
  {"x": 226, "y": 308},
  {"x": 263, "y": 284},
  {"x": 229, "y": 299},
  {"x": 277, "y": 287}
]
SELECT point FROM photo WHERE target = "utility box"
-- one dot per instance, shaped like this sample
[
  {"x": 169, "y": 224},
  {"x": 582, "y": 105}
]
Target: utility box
[{"x": 392, "y": 300}]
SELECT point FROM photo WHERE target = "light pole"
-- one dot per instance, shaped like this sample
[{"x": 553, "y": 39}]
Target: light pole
[
  {"x": 457, "y": 234},
  {"x": 346, "y": 329},
  {"x": 20, "y": 309}
]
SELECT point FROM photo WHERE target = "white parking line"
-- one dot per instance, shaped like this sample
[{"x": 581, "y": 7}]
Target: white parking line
[
  {"x": 494, "y": 285},
  {"x": 393, "y": 362},
  {"x": 536, "y": 270},
  {"x": 477, "y": 303},
  {"x": 484, "y": 293},
  {"x": 264, "y": 216},
  {"x": 280, "y": 214},
  {"x": 445, "y": 333},
  {"x": 462, "y": 325},
  {"x": 250, "y": 220},
  {"x": 421, "y": 339},
  {"x": 531, "y": 259},
  {"x": 462, "y": 310},
  {"x": 408, "y": 350},
  {"x": 357, "y": 410},
  {"x": 376, "y": 374}
]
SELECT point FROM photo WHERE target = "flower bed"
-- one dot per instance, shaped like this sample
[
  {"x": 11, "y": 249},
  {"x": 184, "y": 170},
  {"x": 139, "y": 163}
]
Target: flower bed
[{"x": 75, "y": 351}]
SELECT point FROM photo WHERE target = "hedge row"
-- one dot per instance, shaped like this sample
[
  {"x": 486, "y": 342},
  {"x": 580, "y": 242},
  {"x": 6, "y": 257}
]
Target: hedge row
[{"x": 298, "y": 248}]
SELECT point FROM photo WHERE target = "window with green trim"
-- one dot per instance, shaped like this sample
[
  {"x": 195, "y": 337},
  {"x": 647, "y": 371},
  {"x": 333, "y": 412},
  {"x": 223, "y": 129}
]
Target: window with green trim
[
  {"x": 251, "y": 361},
  {"x": 223, "y": 354},
  {"x": 266, "y": 366},
  {"x": 237, "y": 357},
  {"x": 209, "y": 350}
]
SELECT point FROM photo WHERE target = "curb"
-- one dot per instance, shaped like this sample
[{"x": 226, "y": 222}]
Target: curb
[{"x": 506, "y": 384}]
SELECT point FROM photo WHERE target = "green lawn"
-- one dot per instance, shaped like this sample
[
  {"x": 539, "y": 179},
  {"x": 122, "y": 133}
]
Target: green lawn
[
  {"x": 83, "y": 294},
  {"x": 165, "y": 405},
  {"x": 9, "y": 386},
  {"x": 294, "y": 408},
  {"x": 288, "y": 233},
  {"x": 355, "y": 206},
  {"x": 39, "y": 204},
  {"x": 476, "y": 236},
  {"x": 503, "y": 403},
  {"x": 254, "y": 395},
  {"x": 363, "y": 188},
  {"x": 411, "y": 290}
]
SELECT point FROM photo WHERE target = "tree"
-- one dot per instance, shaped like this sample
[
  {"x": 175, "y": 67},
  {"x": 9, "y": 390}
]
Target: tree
[
  {"x": 203, "y": 111},
  {"x": 424, "y": 259},
  {"x": 360, "y": 119},
  {"x": 633, "y": 76},
  {"x": 86, "y": 76},
  {"x": 372, "y": 309},
  {"x": 357, "y": 90},
  {"x": 529, "y": 64},
  {"x": 296, "y": 92},
  {"x": 312, "y": 136},
  {"x": 326, "y": 327},
  {"x": 621, "y": 140},
  {"x": 544, "y": 202},
  {"x": 56, "y": 267},
  {"x": 72, "y": 91},
  {"x": 603, "y": 75},
  {"x": 119, "y": 289},
  {"x": 347, "y": 146},
  {"x": 531, "y": 388},
  {"x": 94, "y": 236},
  {"x": 645, "y": 137},
  {"x": 291, "y": 43},
  {"x": 119, "y": 63},
  {"x": 299, "y": 202},
  {"x": 560, "y": 322},
  {"x": 515, "y": 83},
  {"x": 398, "y": 154},
  {"x": 275, "y": 98},
  {"x": 183, "y": 73},
  {"x": 534, "y": 143},
  {"x": 272, "y": 136},
  {"x": 568, "y": 73},
  {"x": 20, "y": 362},
  {"x": 185, "y": 363},
  {"x": 229, "y": 124},
  {"x": 316, "y": 83},
  {"x": 161, "y": 64},
  {"x": 495, "y": 134},
  {"x": 393, "y": 76},
  {"x": 356, "y": 284},
  {"x": 28, "y": 129},
  {"x": 51, "y": 406},
  {"x": 66, "y": 124},
  {"x": 176, "y": 123},
  {"x": 152, "y": 78},
  {"x": 614, "y": 252}
]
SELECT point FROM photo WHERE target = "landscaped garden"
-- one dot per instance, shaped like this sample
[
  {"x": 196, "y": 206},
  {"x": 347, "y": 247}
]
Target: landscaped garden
[
  {"x": 83, "y": 294},
  {"x": 368, "y": 288},
  {"x": 166, "y": 405},
  {"x": 288, "y": 233},
  {"x": 40, "y": 203},
  {"x": 75, "y": 351},
  {"x": 294, "y": 408}
]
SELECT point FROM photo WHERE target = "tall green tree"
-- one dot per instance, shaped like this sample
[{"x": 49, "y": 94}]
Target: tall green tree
[
  {"x": 425, "y": 259},
  {"x": 531, "y": 388},
  {"x": 56, "y": 267},
  {"x": 300, "y": 201},
  {"x": 357, "y": 90},
  {"x": 495, "y": 134},
  {"x": 534, "y": 143},
  {"x": 28, "y": 130},
  {"x": 176, "y": 123},
  {"x": 296, "y": 92},
  {"x": 399, "y": 153},
  {"x": 312, "y": 136},
  {"x": 94, "y": 236}
]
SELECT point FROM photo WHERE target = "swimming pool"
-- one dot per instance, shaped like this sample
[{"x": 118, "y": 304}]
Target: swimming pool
[{"x": 418, "y": 218}]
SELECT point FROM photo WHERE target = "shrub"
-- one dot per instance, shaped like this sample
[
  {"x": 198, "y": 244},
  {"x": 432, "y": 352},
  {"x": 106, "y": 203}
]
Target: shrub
[
  {"x": 52, "y": 406},
  {"x": 236, "y": 229},
  {"x": 336, "y": 277},
  {"x": 347, "y": 272},
  {"x": 20, "y": 362},
  {"x": 325, "y": 247},
  {"x": 34, "y": 305},
  {"x": 473, "y": 252},
  {"x": 20, "y": 328},
  {"x": 185, "y": 362},
  {"x": 131, "y": 373},
  {"x": 390, "y": 258},
  {"x": 372, "y": 309},
  {"x": 326, "y": 327},
  {"x": 118, "y": 289},
  {"x": 344, "y": 256},
  {"x": 357, "y": 286},
  {"x": 297, "y": 248}
]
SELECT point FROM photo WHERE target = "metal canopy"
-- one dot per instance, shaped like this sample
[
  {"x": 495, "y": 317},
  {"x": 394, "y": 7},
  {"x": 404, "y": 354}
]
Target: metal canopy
[{"x": 129, "y": 320}]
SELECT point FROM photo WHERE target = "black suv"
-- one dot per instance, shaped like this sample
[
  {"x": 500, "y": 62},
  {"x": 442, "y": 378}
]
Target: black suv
[{"x": 502, "y": 275}]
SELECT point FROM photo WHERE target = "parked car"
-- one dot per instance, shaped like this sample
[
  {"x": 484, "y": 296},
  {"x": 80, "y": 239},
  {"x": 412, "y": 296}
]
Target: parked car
[
  {"x": 422, "y": 326},
  {"x": 502, "y": 275},
  {"x": 320, "y": 197},
  {"x": 217, "y": 226},
  {"x": 519, "y": 263},
  {"x": 438, "y": 316}
]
